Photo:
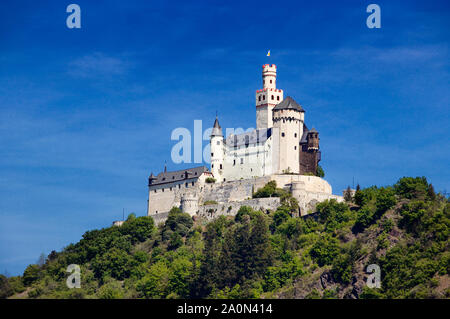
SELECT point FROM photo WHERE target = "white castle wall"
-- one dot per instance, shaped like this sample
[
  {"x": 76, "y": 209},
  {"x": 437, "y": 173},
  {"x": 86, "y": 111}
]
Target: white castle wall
[{"x": 308, "y": 190}]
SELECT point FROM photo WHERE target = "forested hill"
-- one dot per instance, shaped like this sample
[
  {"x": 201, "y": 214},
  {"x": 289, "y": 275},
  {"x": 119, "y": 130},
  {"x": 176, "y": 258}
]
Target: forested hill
[{"x": 403, "y": 228}]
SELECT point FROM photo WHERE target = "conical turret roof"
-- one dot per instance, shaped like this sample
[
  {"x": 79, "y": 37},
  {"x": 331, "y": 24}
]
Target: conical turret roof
[
  {"x": 217, "y": 130},
  {"x": 288, "y": 104}
]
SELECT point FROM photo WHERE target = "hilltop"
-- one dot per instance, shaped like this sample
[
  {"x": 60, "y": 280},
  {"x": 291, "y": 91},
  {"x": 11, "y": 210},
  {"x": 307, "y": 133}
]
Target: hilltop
[{"x": 403, "y": 228}]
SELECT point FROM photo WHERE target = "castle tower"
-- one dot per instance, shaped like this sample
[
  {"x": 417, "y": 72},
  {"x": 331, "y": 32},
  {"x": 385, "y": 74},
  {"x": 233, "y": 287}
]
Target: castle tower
[
  {"x": 313, "y": 140},
  {"x": 217, "y": 151},
  {"x": 267, "y": 97},
  {"x": 288, "y": 118},
  {"x": 189, "y": 204}
]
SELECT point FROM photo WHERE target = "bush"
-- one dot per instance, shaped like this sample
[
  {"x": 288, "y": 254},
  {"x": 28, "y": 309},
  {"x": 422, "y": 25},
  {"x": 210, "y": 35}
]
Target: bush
[
  {"x": 269, "y": 190},
  {"x": 30, "y": 275},
  {"x": 210, "y": 180},
  {"x": 325, "y": 250},
  {"x": 409, "y": 187},
  {"x": 320, "y": 172}
]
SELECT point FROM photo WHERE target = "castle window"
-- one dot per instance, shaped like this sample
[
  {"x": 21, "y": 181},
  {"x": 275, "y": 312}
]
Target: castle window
[
  {"x": 187, "y": 185},
  {"x": 259, "y": 98},
  {"x": 220, "y": 166},
  {"x": 278, "y": 98},
  {"x": 270, "y": 81},
  {"x": 264, "y": 97},
  {"x": 295, "y": 135},
  {"x": 242, "y": 160},
  {"x": 212, "y": 154},
  {"x": 155, "y": 190},
  {"x": 171, "y": 189},
  {"x": 264, "y": 81},
  {"x": 163, "y": 190},
  {"x": 234, "y": 162},
  {"x": 173, "y": 177},
  {"x": 295, "y": 147},
  {"x": 247, "y": 140},
  {"x": 179, "y": 186},
  {"x": 273, "y": 98},
  {"x": 192, "y": 183},
  {"x": 282, "y": 134},
  {"x": 212, "y": 165}
]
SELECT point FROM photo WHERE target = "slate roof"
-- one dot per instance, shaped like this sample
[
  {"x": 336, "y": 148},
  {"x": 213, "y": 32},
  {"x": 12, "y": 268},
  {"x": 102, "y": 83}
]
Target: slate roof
[
  {"x": 304, "y": 139},
  {"x": 176, "y": 176},
  {"x": 255, "y": 136},
  {"x": 217, "y": 130},
  {"x": 288, "y": 104}
]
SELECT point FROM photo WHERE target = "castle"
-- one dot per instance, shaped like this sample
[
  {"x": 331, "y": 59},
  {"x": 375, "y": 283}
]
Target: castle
[{"x": 281, "y": 148}]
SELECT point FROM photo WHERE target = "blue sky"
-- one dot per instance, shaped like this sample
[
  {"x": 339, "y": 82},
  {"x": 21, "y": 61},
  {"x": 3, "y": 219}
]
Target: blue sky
[{"x": 86, "y": 115}]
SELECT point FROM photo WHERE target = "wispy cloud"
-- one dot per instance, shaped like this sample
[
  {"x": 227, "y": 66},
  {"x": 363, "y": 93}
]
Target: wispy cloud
[{"x": 98, "y": 65}]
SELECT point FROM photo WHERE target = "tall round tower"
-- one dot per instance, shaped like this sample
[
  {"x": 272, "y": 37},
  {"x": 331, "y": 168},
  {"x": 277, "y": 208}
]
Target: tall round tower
[
  {"x": 267, "y": 97},
  {"x": 217, "y": 151},
  {"x": 288, "y": 118}
]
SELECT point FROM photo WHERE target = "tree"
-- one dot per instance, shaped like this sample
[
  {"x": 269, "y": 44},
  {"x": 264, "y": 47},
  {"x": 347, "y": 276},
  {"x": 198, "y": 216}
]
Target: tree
[
  {"x": 42, "y": 259},
  {"x": 320, "y": 172},
  {"x": 268, "y": 190},
  {"x": 410, "y": 187},
  {"x": 139, "y": 228},
  {"x": 31, "y": 274},
  {"x": 5, "y": 288}
]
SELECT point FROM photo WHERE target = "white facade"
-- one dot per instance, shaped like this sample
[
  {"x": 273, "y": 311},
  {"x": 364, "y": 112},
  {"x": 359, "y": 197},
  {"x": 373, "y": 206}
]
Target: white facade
[{"x": 273, "y": 148}]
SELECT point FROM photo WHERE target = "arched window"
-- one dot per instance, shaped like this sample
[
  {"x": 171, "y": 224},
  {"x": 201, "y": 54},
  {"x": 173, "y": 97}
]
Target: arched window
[
  {"x": 278, "y": 98},
  {"x": 259, "y": 98},
  {"x": 273, "y": 98},
  {"x": 264, "y": 97},
  {"x": 270, "y": 81}
]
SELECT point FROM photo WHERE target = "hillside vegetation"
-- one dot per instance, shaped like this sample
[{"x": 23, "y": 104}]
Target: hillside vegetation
[{"x": 403, "y": 228}]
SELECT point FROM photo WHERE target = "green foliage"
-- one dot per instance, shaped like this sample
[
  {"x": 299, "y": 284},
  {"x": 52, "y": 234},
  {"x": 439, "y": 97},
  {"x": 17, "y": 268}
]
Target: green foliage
[
  {"x": 177, "y": 225},
  {"x": 210, "y": 180},
  {"x": 269, "y": 190},
  {"x": 256, "y": 254},
  {"x": 209, "y": 202},
  {"x": 5, "y": 288},
  {"x": 409, "y": 187},
  {"x": 31, "y": 274},
  {"x": 320, "y": 172},
  {"x": 325, "y": 250}
]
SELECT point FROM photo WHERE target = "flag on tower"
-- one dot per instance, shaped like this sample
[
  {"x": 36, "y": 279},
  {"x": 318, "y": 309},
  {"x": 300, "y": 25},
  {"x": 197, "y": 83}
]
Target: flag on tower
[{"x": 268, "y": 53}]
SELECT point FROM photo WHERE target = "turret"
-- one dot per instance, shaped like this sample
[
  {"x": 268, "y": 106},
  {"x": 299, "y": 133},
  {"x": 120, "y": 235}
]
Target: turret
[
  {"x": 287, "y": 120},
  {"x": 151, "y": 178},
  {"x": 313, "y": 140},
  {"x": 217, "y": 151},
  {"x": 267, "y": 97}
]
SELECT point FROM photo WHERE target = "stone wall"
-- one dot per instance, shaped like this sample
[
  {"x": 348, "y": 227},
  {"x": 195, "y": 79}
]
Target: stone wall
[
  {"x": 230, "y": 209},
  {"x": 308, "y": 190}
]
